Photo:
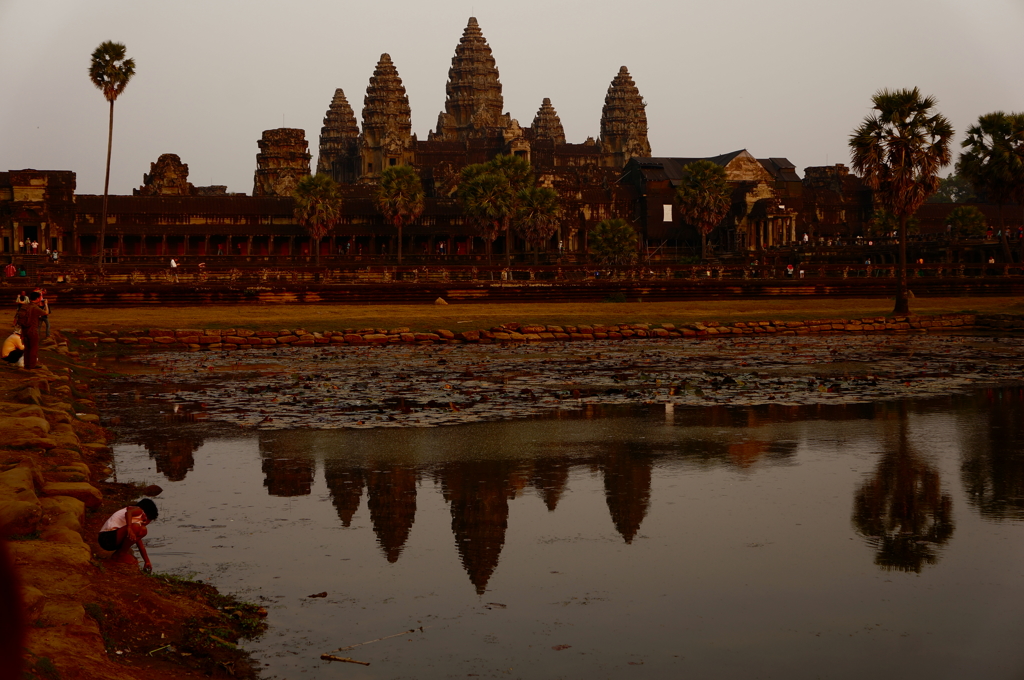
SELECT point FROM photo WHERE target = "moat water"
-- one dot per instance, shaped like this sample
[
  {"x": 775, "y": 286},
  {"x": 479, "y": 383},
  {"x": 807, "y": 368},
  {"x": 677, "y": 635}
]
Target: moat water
[{"x": 842, "y": 541}]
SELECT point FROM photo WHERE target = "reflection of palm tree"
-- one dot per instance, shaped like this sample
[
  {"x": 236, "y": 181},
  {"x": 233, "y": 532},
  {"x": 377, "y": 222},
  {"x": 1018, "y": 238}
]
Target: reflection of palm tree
[
  {"x": 902, "y": 508},
  {"x": 391, "y": 491},
  {"x": 993, "y": 466}
]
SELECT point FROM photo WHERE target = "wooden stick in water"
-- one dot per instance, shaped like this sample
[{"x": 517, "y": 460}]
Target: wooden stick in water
[
  {"x": 404, "y": 632},
  {"x": 331, "y": 657}
]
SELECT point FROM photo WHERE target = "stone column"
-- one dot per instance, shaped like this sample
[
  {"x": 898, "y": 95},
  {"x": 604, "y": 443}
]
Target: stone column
[
  {"x": 248, "y": 246},
  {"x": 163, "y": 245},
  {"x": 206, "y": 246}
]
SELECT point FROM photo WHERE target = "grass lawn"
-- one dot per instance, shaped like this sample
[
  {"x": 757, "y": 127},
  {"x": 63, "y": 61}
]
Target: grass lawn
[{"x": 316, "y": 317}]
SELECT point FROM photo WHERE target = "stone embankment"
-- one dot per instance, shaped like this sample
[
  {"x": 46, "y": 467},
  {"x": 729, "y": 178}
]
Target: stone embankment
[
  {"x": 244, "y": 339},
  {"x": 83, "y": 616}
]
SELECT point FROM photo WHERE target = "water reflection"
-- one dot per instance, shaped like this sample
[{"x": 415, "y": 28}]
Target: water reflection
[
  {"x": 993, "y": 463},
  {"x": 902, "y": 508}
]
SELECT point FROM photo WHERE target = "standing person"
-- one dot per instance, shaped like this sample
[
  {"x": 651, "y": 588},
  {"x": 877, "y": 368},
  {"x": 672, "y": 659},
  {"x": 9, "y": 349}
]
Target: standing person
[
  {"x": 10, "y": 271},
  {"x": 174, "y": 270},
  {"x": 14, "y": 349},
  {"x": 21, "y": 300},
  {"x": 127, "y": 527},
  {"x": 45, "y": 305},
  {"x": 21, "y": 246},
  {"x": 28, "y": 318},
  {"x": 35, "y": 247}
]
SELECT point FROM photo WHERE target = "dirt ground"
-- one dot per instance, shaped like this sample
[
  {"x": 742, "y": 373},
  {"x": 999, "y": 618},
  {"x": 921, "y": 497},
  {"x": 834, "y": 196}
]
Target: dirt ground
[{"x": 457, "y": 317}]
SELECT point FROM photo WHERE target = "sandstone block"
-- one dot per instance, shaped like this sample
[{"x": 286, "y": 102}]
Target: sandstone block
[
  {"x": 432, "y": 337},
  {"x": 516, "y": 337},
  {"x": 83, "y": 491},
  {"x": 60, "y": 534},
  {"x": 63, "y": 511},
  {"x": 444, "y": 333},
  {"x": 28, "y": 426},
  {"x": 33, "y": 601},
  {"x": 234, "y": 339},
  {"x": 562, "y": 336},
  {"x": 286, "y": 339},
  {"x": 304, "y": 341},
  {"x": 164, "y": 339},
  {"x": 469, "y": 336},
  {"x": 145, "y": 341},
  {"x": 378, "y": 338}
]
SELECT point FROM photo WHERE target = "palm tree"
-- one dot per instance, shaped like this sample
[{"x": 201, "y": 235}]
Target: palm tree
[
  {"x": 994, "y": 162},
  {"x": 490, "y": 193},
  {"x": 110, "y": 73},
  {"x": 317, "y": 207},
  {"x": 898, "y": 150},
  {"x": 704, "y": 199},
  {"x": 399, "y": 197},
  {"x": 537, "y": 216},
  {"x": 613, "y": 242},
  {"x": 965, "y": 220},
  {"x": 486, "y": 201}
]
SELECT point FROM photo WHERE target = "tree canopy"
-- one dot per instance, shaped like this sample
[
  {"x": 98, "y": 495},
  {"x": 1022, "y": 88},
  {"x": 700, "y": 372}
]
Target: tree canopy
[
  {"x": 704, "y": 198},
  {"x": 536, "y": 218},
  {"x": 966, "y": 220},
  {"x": 898, "y": 150},
  {"x": 317, "y": 207},
  {"x": 399, "y": 197},
  {"x": 953, "y": 189},
  {"x": 490, "y": 194},
  {"x": 110, "y": 71},
  {"x": 613, "y": 242},
  {"x": 993, "y": 161}
]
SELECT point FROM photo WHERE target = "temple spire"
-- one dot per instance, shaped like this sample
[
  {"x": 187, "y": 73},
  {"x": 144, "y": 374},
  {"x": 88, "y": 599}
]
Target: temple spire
[
  {"x": 547, "y": 125},
  {"x": 339, "y": 141},
  {"x": 624, "y": 121},
  {"x": 387, "y": 120},
  {"x": 474, "y": 102}
]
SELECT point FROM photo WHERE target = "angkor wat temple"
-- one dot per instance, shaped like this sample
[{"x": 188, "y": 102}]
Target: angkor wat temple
[{"x": 612, "y": 175}]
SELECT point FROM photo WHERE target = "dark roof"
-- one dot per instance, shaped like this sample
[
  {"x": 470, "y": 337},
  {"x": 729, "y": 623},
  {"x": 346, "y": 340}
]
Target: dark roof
[
  {"x": 187, "y": 205},
  {"x": 673, "y": 169},
  {"x": 780, "y": 169}
]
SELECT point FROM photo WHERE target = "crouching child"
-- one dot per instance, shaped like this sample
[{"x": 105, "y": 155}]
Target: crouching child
[{"x": 126, "y": 528}]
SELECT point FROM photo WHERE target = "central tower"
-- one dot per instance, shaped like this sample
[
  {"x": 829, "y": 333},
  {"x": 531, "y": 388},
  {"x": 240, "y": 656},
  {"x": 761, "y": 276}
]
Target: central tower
[{"x": 473, "y": 105}]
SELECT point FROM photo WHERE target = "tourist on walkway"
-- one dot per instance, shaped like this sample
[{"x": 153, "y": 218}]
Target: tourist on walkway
[
  {"x": 28, "y": 318},
  {"x": 44, "y": 303},
  {"x": 10, "y": 271},
  {"x": 13, "y": 351},
  {"x": 21, "y": 300},
  {"x": 125, "y": 528},
  {"x": 174, "y": 270}
]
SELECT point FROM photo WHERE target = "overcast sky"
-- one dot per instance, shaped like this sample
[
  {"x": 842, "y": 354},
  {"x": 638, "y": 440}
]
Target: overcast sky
[{"x": 786, "y": 78}]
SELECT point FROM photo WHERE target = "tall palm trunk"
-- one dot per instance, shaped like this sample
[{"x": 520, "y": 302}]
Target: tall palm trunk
[
  {"x": 703, "y": 245},
  {"x": 398, "y": 224},
  {"x": 902, "y": 295},
  {"x": 508, "y": 242},
  {"x": 316, "y": 245},
  {"x": 106, "y": 184}
]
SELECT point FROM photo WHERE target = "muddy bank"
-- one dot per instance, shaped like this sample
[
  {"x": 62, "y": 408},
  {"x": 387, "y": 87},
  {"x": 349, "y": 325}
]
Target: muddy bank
[{"x": 83, "y": 616}]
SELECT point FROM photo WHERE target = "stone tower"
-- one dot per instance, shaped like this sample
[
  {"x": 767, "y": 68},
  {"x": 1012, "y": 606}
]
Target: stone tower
[
  {"x": 282, "y": 161},
  {"x": 474, "y": 104},
  {"x": 387, "y": 121},
  {"x": 547, "y": 125},
  {"x": 167, "y": 177},
  {"x": 339, "y": 142},
  {"x": 623, "y": 122}
]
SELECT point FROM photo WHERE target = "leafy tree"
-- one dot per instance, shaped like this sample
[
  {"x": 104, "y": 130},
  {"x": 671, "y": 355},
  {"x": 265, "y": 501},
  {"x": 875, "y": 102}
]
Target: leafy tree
[
  {"x": 704, "y": 199},
  {"x": 884, "y": 223},
  {"x": 953, "y": 189},
  {"x": 317, "y": 207},
  {"x": 110, "y": 72},
  {"x": 994, "y": 162},
  {"x": 537, "y": 216},
  {"x": 613, "y": 242},
  {"x": 966, "y": 220},
  {"x": 399, "y": 197},
  {"x": 490, "y": 194},
  {"x": 898, "y": 150}
]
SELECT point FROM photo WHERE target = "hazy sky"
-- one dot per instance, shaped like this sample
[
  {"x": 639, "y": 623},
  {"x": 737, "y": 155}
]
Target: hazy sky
[{"x": 787, "y": 78}]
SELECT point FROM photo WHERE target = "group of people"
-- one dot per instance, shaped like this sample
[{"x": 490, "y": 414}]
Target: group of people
[{"x": 21, "y": 348}]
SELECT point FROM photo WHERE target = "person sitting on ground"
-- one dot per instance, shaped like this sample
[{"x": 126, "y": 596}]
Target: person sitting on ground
[
  {"x": 127, "y": 527},
  {"x": 14, "y": 349}
]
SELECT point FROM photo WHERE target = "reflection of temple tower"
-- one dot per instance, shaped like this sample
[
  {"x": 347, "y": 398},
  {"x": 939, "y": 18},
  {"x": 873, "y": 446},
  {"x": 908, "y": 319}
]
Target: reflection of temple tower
[
  {"x": 627, "y": 488},
  {"x": 387, "y": 121},
  {"x": 339, "y": 142},
  {"x": 623, "y": 122},
  {"x": 473, "y": 105},
  {"x": 173, "y": 457},
  {"x": 288, "y": 468},
  {"x": 479, "y": 492},
  {"x": 993, "y": 461},
  {"x": 550, "y": 477},
  {"x": 346, "y": 487},
  {"x": 391, "y": 492}
]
